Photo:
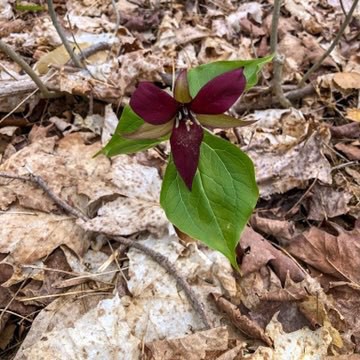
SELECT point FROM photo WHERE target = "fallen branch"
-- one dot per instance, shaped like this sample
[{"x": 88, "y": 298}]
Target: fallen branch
[
  {"x": 21, "y": 62},
  {"x": 100, "y": 90},
  {"x": 332, "y": 46},
  {"x": 159, "y": 258},
  {"x": 259, "y": 102},
  {"x": 278, "y": 60}
]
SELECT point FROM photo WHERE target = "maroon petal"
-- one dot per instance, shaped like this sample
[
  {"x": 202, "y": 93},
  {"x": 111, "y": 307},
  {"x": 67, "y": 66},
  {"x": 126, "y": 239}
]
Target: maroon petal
[
  {"x": 220, "y": 93},
  {"x": 152, "y": 104},
  {"x": 185, "y": 143}
]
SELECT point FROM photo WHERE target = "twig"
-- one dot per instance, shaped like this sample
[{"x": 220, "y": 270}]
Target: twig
[
  {"x": 278, "y": 60},
  {"x": 93, "y": 49},
  {"x": 76, "y": 43},
  {"x": 62, "y": 35},
  {"x": 306, "y": 193},
  {"x": 333, "y": 44},
  {"x": 20, "y": 61},
  {"x": 171, "y": 269},
  {"x": 343, "y": 7},
  {"x": 263, "y": 102},
  {"x": 18, "y": 105},
  {"x": 39, "y": 181},
  {"x": 117, "y": 16},
  {"x": 159, "y": 258}
]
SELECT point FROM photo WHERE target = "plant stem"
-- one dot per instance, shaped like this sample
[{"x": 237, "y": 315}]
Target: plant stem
[
  {"x": 62, "y": 35},
  {"x": 333, "y": 44},
  {"x": 27, "y": 68},
  {"x": 278, "y": 60}
]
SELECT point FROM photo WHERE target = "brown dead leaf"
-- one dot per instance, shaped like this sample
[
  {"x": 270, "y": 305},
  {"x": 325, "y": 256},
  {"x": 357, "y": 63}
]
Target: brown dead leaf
[
  {"x": 353, "y": 114},
  {"x": 314, "y": 50},
  {"x": 336, "y": 253},
  {"x": 282, "y": 230},
  {"x": 249, "y": 28},
  {"x": 11, "y": 27},
  {"x": 305, "y": 12},
  {"x": 325, "y": 202},
  {"x": 347, "y": 302},
  {"x": 257, "y": 252},
  {"x": 351, "y": 131},
  {"x": 250, "y": 9},
  {"x": 287, "y": 150},
  {"x": 30, "y": 236},
  {"x": 7, "y": 335},
  {"x": 8, "y": 302},
  {"x": 137, "y": 209},
  {"x": 201, "y": 345},
  {"x": 352, "y": 152},
  {"x": 241, "y": 322},
  {"x": 6, "y": 135},
  {"x": 293, "y": 59},
  {"x": 48, "y": 279},
  {"x": 216, "y": 49},
  {"x": 299, "y": 344},
  {"x": 347, "y": 80}
]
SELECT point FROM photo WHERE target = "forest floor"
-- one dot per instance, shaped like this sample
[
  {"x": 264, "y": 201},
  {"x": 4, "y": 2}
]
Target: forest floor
[{"x": 69, "y": 290}]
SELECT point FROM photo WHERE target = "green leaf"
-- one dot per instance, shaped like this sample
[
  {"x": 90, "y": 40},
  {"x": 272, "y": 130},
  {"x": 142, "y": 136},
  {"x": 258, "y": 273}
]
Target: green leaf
[
  {"x": 202, "y": 74},
  {"x": 118, "y": 144},
  {"x": 223, "y": 196},
  {"x": 29, "y": 7}
]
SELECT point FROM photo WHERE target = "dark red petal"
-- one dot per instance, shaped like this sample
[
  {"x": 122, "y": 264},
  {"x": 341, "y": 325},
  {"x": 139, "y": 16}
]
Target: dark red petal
[
  {"x": 220, "y": 93},
  {"x": 185, "y": 148},
  {"x": 152, "y": 104}
]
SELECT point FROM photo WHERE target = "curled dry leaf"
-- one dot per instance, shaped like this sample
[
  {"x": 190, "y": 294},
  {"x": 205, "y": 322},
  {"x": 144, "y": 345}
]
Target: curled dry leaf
[
  {"x": 28, "y": 236},
  {"x": 282, "y": 230},
  {"x": 241, "y": 322},
  {"x": 351, "y": 131},
  {"x": 298, "y": 344},
  {"x": 352, "y": 151},
  {"x": 336, "y": 253},
  {"x": 287, "y": 150},
  {"x": 257, "y": 252}
]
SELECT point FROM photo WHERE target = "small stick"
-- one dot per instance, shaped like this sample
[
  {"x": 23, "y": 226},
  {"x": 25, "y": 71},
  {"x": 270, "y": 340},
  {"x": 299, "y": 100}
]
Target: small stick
[
  {"x": 278, "y": 60},
  {"x": 333, "y": 44},
  {"x": 117, "y": 16},
  {"x": 20, "y": 61},
  {"x": 159, "y": 258},
  {"x": 62, "y": 35},
  {"x": 171, "y": 269},
  {"x": 39, "y": 181},
  {"x": 93, "y": 49}
]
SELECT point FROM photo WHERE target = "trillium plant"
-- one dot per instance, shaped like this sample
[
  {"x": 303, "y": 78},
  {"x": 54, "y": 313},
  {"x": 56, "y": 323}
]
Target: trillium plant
[{"x": 209, "y": 189}]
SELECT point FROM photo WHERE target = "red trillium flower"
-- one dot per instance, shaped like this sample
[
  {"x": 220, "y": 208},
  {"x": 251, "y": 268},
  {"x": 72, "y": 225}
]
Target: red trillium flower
[{"x": 183, "y": 116}]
